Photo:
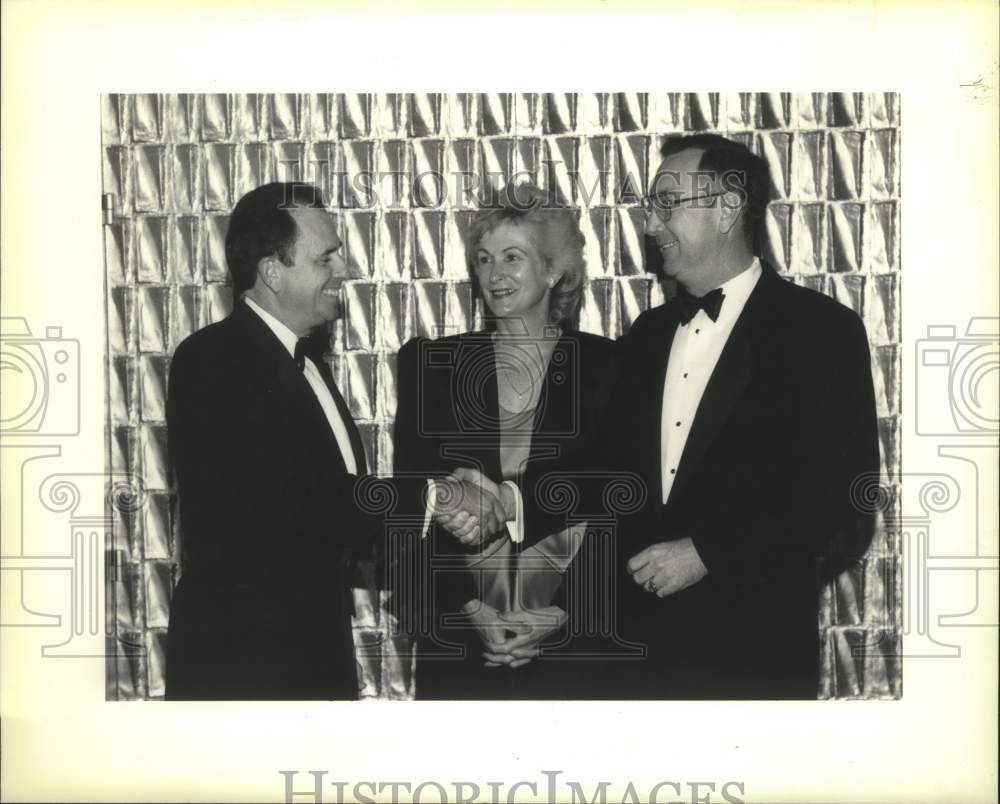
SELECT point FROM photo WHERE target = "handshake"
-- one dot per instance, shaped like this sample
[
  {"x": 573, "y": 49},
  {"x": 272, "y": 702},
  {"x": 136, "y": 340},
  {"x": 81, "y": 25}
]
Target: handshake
[{"x": 471, "y": 506}]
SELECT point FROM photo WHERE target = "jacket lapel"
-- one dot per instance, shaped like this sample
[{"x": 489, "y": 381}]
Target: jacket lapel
[
  {"x": 557, "y": 406},
  {"x": 553, "y": 411},
  {"x": 473, "y": 400},
  {"x": 357, "y": 446},
  {"x": 491, "y": 402},
  {"x": 283, "y": 379},
  {"x": 659, "y": 346}
]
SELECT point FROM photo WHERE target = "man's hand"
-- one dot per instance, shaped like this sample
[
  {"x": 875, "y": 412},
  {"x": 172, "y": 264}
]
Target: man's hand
[
  {"x": 490, "y": 626},
  {"x": 500, "y": 491},
  {"x": 667, "y": 567},
  {"x": 466, "y": 510},
  {"x": 530, "y": 627}
]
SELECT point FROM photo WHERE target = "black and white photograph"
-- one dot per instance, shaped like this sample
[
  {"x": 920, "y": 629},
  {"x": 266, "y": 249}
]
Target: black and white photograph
[
  {"x": 593, "y": 402},
  {"x": 644, "y": 347}
]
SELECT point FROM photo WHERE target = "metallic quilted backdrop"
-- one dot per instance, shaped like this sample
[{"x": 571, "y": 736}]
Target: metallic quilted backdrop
[{"x": 174, "y": 165}]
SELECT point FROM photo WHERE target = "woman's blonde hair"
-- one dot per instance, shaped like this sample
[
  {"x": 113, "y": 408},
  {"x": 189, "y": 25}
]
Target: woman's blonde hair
[{"x": 556, "y": 234}]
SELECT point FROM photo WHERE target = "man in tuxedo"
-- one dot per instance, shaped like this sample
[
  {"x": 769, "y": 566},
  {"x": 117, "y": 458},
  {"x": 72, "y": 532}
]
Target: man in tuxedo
[
  {"x": 746, "y": 405},
  {"x": 272, "y": 476}
]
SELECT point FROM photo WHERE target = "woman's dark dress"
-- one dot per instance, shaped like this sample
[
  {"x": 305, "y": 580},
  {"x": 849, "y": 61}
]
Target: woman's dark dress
[{"x": 448, "y": 416}]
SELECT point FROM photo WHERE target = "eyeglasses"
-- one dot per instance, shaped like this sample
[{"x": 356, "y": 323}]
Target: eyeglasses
[{"x": 663, "y": 205}]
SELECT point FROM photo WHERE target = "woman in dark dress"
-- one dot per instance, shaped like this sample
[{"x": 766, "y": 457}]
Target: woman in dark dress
[{"x": 515, "y": 402}]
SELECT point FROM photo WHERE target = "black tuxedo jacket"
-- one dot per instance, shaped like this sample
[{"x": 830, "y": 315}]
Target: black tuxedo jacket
[
  {"x": 269, "y": 515},
  {"x": 447, "y": 417},
  {"x": 785, "y": 428}
]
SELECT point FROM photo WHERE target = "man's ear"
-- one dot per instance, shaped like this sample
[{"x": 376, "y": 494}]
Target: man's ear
[
  {"x": 269, "y": 273},
  {"x": 732, "y": 207}
]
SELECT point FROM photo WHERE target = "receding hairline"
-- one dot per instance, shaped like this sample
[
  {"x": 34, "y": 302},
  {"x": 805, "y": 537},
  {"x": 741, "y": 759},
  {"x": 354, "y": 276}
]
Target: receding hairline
[
  {"x": 701, "y": 152},
  {"x": 698, "y": 167},
  {"x": 326, "y": 214}
]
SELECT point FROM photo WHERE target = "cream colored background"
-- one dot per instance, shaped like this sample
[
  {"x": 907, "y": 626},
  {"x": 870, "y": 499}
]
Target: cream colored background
[{"x": 62, "y": 741}]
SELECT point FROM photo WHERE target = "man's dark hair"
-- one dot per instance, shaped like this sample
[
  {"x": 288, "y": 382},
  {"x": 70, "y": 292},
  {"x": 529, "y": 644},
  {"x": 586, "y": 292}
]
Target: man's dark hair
[
  {"x": 738, "y": 168},
  {"x": 260, "y": 226}
]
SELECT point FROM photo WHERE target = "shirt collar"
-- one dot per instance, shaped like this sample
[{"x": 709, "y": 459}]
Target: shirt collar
[
  {"x": 738, "y": 289},
  {"x": 284, "y": 334}
]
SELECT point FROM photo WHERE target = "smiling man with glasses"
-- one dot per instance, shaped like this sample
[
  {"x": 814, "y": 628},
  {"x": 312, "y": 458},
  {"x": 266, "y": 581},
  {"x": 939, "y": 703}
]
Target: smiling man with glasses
[
  {"x": 747, "y": 406},
  {"x": 703, "y": 211},
  {"x": 663, "y": 204}
]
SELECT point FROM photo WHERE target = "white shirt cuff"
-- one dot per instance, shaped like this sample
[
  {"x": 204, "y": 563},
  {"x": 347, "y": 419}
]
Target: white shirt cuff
[
  {"x": 515, "y": 526},
  {"x": 429, "y": 509}
]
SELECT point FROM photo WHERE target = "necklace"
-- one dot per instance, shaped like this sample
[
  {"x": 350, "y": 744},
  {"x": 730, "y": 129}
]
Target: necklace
[{"x": 521, "y": 366}]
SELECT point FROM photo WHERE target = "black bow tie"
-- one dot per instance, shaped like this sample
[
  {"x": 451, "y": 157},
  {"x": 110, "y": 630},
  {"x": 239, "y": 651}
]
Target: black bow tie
[
  {"x": 312, "y": 346},
  {"x": 688, "y": 304}
]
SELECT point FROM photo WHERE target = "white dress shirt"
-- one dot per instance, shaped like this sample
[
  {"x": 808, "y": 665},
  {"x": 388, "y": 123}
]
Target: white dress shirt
[
  {"x": 315, "y": 379},
  {"x": 694, "y": 354},
  {"x": 515, "y": 526}
]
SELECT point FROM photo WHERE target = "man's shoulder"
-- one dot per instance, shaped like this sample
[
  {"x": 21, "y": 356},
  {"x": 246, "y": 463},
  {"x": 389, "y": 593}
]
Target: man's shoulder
[
  {"x": 203, "y": 369},
  {"x": 593, "y": 361},
  {"x": 208, "y": 341},
  {"x": 651, "y": 319},
  {"x": 808, "y": 309},
  {"x": 221, "y": 350},
  {"x": 591, "y": 348},
  {"x": 589, "y": 340}
]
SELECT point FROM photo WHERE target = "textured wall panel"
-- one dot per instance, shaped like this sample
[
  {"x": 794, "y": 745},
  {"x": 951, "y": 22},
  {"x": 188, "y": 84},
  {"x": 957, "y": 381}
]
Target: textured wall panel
[{"x": 176, "y": 164}]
